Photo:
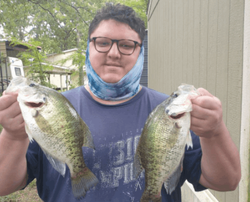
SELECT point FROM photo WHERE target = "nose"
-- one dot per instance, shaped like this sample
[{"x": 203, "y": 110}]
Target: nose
[{"x": 114, "y": 52}]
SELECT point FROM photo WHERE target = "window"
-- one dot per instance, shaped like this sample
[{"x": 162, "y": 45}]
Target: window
[{"x": 18, "y": 71}]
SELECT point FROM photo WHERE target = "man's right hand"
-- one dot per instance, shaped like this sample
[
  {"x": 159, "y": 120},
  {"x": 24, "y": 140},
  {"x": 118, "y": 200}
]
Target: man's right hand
[{"x": 11, "y": 117}]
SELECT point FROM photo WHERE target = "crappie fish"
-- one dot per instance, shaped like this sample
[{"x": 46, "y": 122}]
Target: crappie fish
[
  {"x": 161, "y": 147},
  {"x": 53, "y": 123}
]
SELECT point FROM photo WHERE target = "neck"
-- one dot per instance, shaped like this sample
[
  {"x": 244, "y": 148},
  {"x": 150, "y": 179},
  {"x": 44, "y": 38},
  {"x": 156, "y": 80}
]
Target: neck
[{"x": 108, "y": 102}]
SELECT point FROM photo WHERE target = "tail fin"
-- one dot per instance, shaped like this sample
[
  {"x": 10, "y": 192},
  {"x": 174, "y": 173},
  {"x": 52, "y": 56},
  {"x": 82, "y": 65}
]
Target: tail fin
[{"x": 83, "y": 182}]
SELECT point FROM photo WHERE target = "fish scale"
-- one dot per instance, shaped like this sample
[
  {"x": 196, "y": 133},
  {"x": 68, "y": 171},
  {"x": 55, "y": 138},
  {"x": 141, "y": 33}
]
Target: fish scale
[{"x": 162, "y": 143}]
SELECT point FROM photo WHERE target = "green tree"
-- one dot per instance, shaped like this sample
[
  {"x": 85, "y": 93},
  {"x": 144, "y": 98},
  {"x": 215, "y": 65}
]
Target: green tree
[
  {"x": 140, "y": 7},
  {"x": 56, "y": 25},
  {"x": 12, "y": 20},
  {"x": 59, "y": 25},
  {"x": 34, "y": 59}
]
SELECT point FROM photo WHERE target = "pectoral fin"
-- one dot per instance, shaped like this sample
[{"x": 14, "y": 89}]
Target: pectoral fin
[
  {"x": 189, "y": 141},
  {"x": 87, "y": 137},
  {"x": 56, "y": 164},
  {"x": 174, "y": 178}
]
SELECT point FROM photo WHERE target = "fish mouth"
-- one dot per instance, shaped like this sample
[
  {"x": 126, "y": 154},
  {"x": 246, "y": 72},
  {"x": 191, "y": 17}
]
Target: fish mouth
[
  {"x": 178, "y": 116},
  {"x": 33, "y": 104}
]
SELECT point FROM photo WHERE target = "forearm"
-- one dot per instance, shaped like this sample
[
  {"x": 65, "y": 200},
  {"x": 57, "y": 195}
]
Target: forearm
[
  {"x": 220, "y": 162},
  {"x": 13, "y": 166}
]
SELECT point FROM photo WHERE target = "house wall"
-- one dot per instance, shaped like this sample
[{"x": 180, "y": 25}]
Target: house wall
[
  {"x": 202, "y": 43},
  {"x": 58, "y": 58}
]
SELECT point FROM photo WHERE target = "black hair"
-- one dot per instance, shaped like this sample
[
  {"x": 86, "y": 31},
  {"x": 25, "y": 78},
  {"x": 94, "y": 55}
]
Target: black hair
[{"x": 120, "y": 13}]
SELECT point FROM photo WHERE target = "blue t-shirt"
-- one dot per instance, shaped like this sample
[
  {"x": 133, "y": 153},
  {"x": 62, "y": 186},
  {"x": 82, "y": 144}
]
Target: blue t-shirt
[{"x": 116, "y": 130}]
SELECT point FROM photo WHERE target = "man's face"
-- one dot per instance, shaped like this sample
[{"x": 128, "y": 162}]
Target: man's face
[{"x": 112, "y": 66}]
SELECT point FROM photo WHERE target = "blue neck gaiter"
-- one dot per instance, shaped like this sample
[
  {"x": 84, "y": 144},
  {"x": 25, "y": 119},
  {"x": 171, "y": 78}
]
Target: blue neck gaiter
[{"x": 127, "y": 87}]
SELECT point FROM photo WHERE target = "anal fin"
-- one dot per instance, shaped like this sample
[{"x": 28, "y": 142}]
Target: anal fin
[{"x": 87, "y": 137}]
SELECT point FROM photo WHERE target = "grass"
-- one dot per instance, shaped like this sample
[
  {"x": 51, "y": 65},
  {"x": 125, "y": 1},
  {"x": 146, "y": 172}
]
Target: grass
[{"x": 28, "y": 194}]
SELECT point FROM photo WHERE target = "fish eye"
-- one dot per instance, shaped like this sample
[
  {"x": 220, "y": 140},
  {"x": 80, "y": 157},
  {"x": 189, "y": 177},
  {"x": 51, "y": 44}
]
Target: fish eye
[
  {"x": 167, "y": 111},
  {"x": 175, "y": 95},
  {"x": 32, "y": 85},
  {"x": 44, "y": 99}
]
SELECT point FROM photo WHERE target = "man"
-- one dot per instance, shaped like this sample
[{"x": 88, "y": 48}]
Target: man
[{"x": 115, "y": 107}]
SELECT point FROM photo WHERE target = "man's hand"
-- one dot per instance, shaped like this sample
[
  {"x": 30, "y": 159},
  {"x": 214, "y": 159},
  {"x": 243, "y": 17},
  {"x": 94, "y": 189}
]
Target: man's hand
[
  {"x": 206, "y": 116},
  {"x": 11, "y": 117}
]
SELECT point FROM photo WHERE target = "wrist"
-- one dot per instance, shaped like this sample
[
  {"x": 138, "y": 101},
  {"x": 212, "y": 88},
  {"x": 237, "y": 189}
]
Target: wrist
[{"x": 217, "y": 133}]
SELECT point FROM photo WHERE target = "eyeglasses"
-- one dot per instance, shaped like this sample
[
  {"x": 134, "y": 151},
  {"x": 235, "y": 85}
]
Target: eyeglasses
[{"x": 125, "y": 46}]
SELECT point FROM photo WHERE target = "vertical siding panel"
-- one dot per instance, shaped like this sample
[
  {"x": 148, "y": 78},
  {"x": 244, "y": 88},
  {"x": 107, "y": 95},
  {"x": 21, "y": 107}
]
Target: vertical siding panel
[
  {"x": 212, "y": 45},
  {"x": 196, "y": 44},
  {"x": 152, "y": 53},
  {"x": 185, "y": 41},
  {"x": 168, "y": 46},
  {"x": 222, "y": 54},
  {"x": 235, "y": 68},
  {"x": 203, "y": 43},
  {"x": 178, "y": 43},
  {"x": 172, "y": 39},
  {"x": 235, "y": 65},
  {"x": 190, "y": 38},
  {"x": 158, "y": 35},
  {"x": 161, "y": 50}
]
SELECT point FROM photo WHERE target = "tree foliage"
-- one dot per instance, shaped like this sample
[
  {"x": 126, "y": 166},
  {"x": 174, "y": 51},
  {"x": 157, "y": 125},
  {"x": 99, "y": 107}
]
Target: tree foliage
[
  {"x": 140, "y": 7},
  {"x": 59, "y": 25},
  {"x": 34, "y": 60},
  {"x": 56, "y": 25}
]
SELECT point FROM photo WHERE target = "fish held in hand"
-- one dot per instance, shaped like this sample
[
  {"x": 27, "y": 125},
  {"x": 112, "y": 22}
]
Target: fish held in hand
[
  {"x": 54, "y": 124},
  {"x": 161, "y": 147}
]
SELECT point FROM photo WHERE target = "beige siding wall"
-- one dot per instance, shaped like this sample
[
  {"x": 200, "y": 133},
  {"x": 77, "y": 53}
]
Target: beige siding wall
[
  {"x": 58, "y": 58},
  {"x": 201, "y": 43}
]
